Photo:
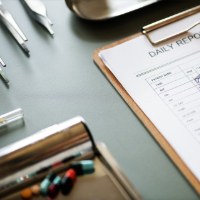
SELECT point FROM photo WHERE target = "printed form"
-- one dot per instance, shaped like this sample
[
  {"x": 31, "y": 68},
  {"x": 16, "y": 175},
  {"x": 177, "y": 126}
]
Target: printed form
[{"x": 160, "y": 79}]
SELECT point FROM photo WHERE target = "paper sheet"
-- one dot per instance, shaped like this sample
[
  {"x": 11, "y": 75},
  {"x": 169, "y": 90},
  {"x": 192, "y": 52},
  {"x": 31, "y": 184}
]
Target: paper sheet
[{"x": 160, "y": 79}]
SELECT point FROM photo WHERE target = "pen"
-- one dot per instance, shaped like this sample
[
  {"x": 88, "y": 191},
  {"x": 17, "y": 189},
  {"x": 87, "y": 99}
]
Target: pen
[{"x": 197, "y": 78}]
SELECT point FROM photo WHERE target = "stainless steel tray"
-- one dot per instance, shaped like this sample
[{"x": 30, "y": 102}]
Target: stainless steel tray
[
  {"x": 27, "y": 162},
  {"x": 105, "y": 9}
]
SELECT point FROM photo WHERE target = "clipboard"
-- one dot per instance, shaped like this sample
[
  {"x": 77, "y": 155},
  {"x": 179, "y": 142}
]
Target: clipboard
[{"x": 137, "y": 110}]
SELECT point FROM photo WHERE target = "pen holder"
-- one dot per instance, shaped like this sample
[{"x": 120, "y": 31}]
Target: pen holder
[{"x": 28, "y": 161}]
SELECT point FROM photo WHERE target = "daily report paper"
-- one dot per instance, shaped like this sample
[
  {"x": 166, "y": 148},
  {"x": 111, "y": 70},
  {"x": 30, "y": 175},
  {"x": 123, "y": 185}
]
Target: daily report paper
[{"x": 160, "y": 79}]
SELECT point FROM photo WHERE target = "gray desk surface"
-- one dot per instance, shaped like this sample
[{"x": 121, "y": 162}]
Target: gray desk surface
[{"x": 60, "y": 81}]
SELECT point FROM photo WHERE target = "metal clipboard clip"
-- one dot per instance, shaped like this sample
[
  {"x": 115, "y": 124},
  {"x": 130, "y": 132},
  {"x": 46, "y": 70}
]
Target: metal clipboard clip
[{"x": 169, "y": 20}]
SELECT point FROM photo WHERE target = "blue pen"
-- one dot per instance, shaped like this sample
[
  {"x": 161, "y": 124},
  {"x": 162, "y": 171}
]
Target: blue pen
[{"x": 197, "y": 78}]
